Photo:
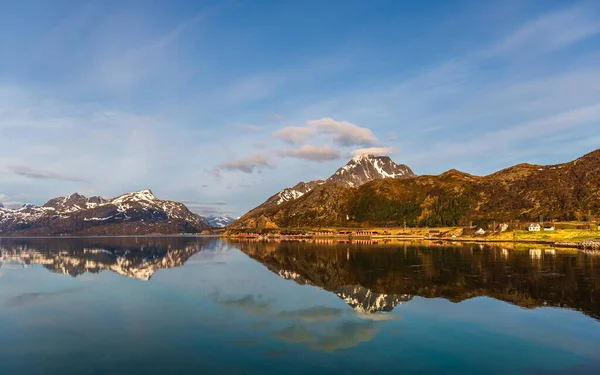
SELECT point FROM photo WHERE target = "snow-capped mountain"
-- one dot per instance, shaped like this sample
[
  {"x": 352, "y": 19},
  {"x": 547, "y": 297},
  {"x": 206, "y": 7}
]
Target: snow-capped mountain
[
  {"x": 220, "y": 221},
  {"x": 356, "y": 172},
  {"x": 366, "y": 168},
  {"x": 133, "y": 213}
]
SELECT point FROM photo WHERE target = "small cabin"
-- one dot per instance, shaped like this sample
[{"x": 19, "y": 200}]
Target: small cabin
[
  {"x": 534, "y": 227},
  {"x": 549, "y": 228},
  {"x": 480, "y": 231},
  {"x": 434, "y": 233}
]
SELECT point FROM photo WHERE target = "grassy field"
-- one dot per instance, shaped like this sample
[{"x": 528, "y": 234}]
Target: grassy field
[{"x": 559, "y": 235}]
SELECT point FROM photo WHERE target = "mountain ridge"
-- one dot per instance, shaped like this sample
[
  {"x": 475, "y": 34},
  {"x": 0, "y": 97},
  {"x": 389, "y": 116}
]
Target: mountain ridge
[
  {"x": 131, "y": 213},
  {"x": 567, "y": 191},
  {"x": 357, "y": 171}
]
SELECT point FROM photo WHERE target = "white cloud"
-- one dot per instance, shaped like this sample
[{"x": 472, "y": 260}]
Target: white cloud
[
  {"x": 313, "y": 153},
  {"x": 345, "y": 133},
  {"x": 295, "y": 134},
  {"x": 250, "y": 164}
]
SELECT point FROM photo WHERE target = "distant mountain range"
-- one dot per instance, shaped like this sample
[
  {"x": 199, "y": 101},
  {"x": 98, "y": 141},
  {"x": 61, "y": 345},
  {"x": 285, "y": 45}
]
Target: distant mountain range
[
  {"x": 374, "y": 191},
  {"x": 220, "y": 222},
  {"x": 135, "y": 213}
]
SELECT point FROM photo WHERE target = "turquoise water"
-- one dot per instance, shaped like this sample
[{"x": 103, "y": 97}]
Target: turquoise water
[{"x": 202, "y": 305}]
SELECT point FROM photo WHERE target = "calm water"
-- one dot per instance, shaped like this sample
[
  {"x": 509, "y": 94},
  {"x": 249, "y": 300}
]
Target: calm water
[{"x": 202, "y": 305}]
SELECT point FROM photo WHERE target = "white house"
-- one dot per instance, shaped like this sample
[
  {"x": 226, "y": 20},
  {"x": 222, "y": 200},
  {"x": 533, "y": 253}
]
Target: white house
[
  {"x": 533, "y": 227},
  {"x": 480, "y": 231}
]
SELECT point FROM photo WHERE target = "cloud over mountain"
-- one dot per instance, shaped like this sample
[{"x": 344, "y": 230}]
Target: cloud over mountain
[
  {"x": 313, "y": 153},
  {"x": 345, "y": 133}
]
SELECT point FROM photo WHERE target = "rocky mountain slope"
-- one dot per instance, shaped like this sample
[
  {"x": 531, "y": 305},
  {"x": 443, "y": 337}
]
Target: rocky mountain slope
[
  {"x": 569, "y": 191},
  {"x": 356, "y": 172},
  {"x": 133, "y": 213}
]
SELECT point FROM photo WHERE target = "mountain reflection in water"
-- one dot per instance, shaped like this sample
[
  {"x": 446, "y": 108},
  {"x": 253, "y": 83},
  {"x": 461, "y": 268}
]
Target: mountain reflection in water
[
  {"x": 369, "y": 278},
  {"x": 527, "y": 278},
  {"x": 206, "y": 305}
]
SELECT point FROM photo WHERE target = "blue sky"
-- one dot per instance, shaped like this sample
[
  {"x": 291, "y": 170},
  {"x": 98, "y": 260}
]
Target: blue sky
[{"x": 222, "y": 104}]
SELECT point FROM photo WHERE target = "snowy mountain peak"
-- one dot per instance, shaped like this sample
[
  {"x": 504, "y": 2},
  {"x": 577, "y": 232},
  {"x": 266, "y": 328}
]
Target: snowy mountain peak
[
  {"x": 142, "y": 195},
  {"x": 367, "y": 167},
  {"x": 297, "y": 191},
  {"x": 360, "y": 157}
]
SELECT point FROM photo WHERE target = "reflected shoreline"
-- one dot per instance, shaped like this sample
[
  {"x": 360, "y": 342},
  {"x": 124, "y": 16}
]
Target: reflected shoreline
[{"x": 370, "y": 278}]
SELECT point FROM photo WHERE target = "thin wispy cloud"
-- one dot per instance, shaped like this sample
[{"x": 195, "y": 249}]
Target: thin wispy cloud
[
  {"x": 550, "y": 32},
  {"x": 41, "y": 174}
]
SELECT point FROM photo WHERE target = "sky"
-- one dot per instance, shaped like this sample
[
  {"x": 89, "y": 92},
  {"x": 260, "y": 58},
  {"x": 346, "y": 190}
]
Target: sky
[{"x": 221, "y": 104}]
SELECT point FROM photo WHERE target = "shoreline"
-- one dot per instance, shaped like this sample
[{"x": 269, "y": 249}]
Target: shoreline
[{"x": 551, "y": 243}]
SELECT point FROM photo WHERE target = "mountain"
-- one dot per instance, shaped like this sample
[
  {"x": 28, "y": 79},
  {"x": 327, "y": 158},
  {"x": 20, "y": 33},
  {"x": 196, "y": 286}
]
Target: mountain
[
  {"x": 220, "y": 221},
  {"x": 133, "y": 213},
  {"x": 366, "y": 168},
  {"x": 569, "y": 191},
  {"x": 358, "y": 171}
]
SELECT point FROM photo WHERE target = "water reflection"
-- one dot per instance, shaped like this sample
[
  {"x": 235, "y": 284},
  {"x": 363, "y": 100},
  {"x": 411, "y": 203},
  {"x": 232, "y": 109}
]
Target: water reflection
[
  {"x": 136, "y": 257},
  {"x": 377, "y": 278},
  {"x": 203, "y": 305},
  {"x": 369, "y": 278}
]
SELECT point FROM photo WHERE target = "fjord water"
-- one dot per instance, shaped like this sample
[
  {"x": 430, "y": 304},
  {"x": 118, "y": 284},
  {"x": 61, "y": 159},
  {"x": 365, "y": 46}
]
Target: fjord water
[{"x": 205, "y": 305}]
